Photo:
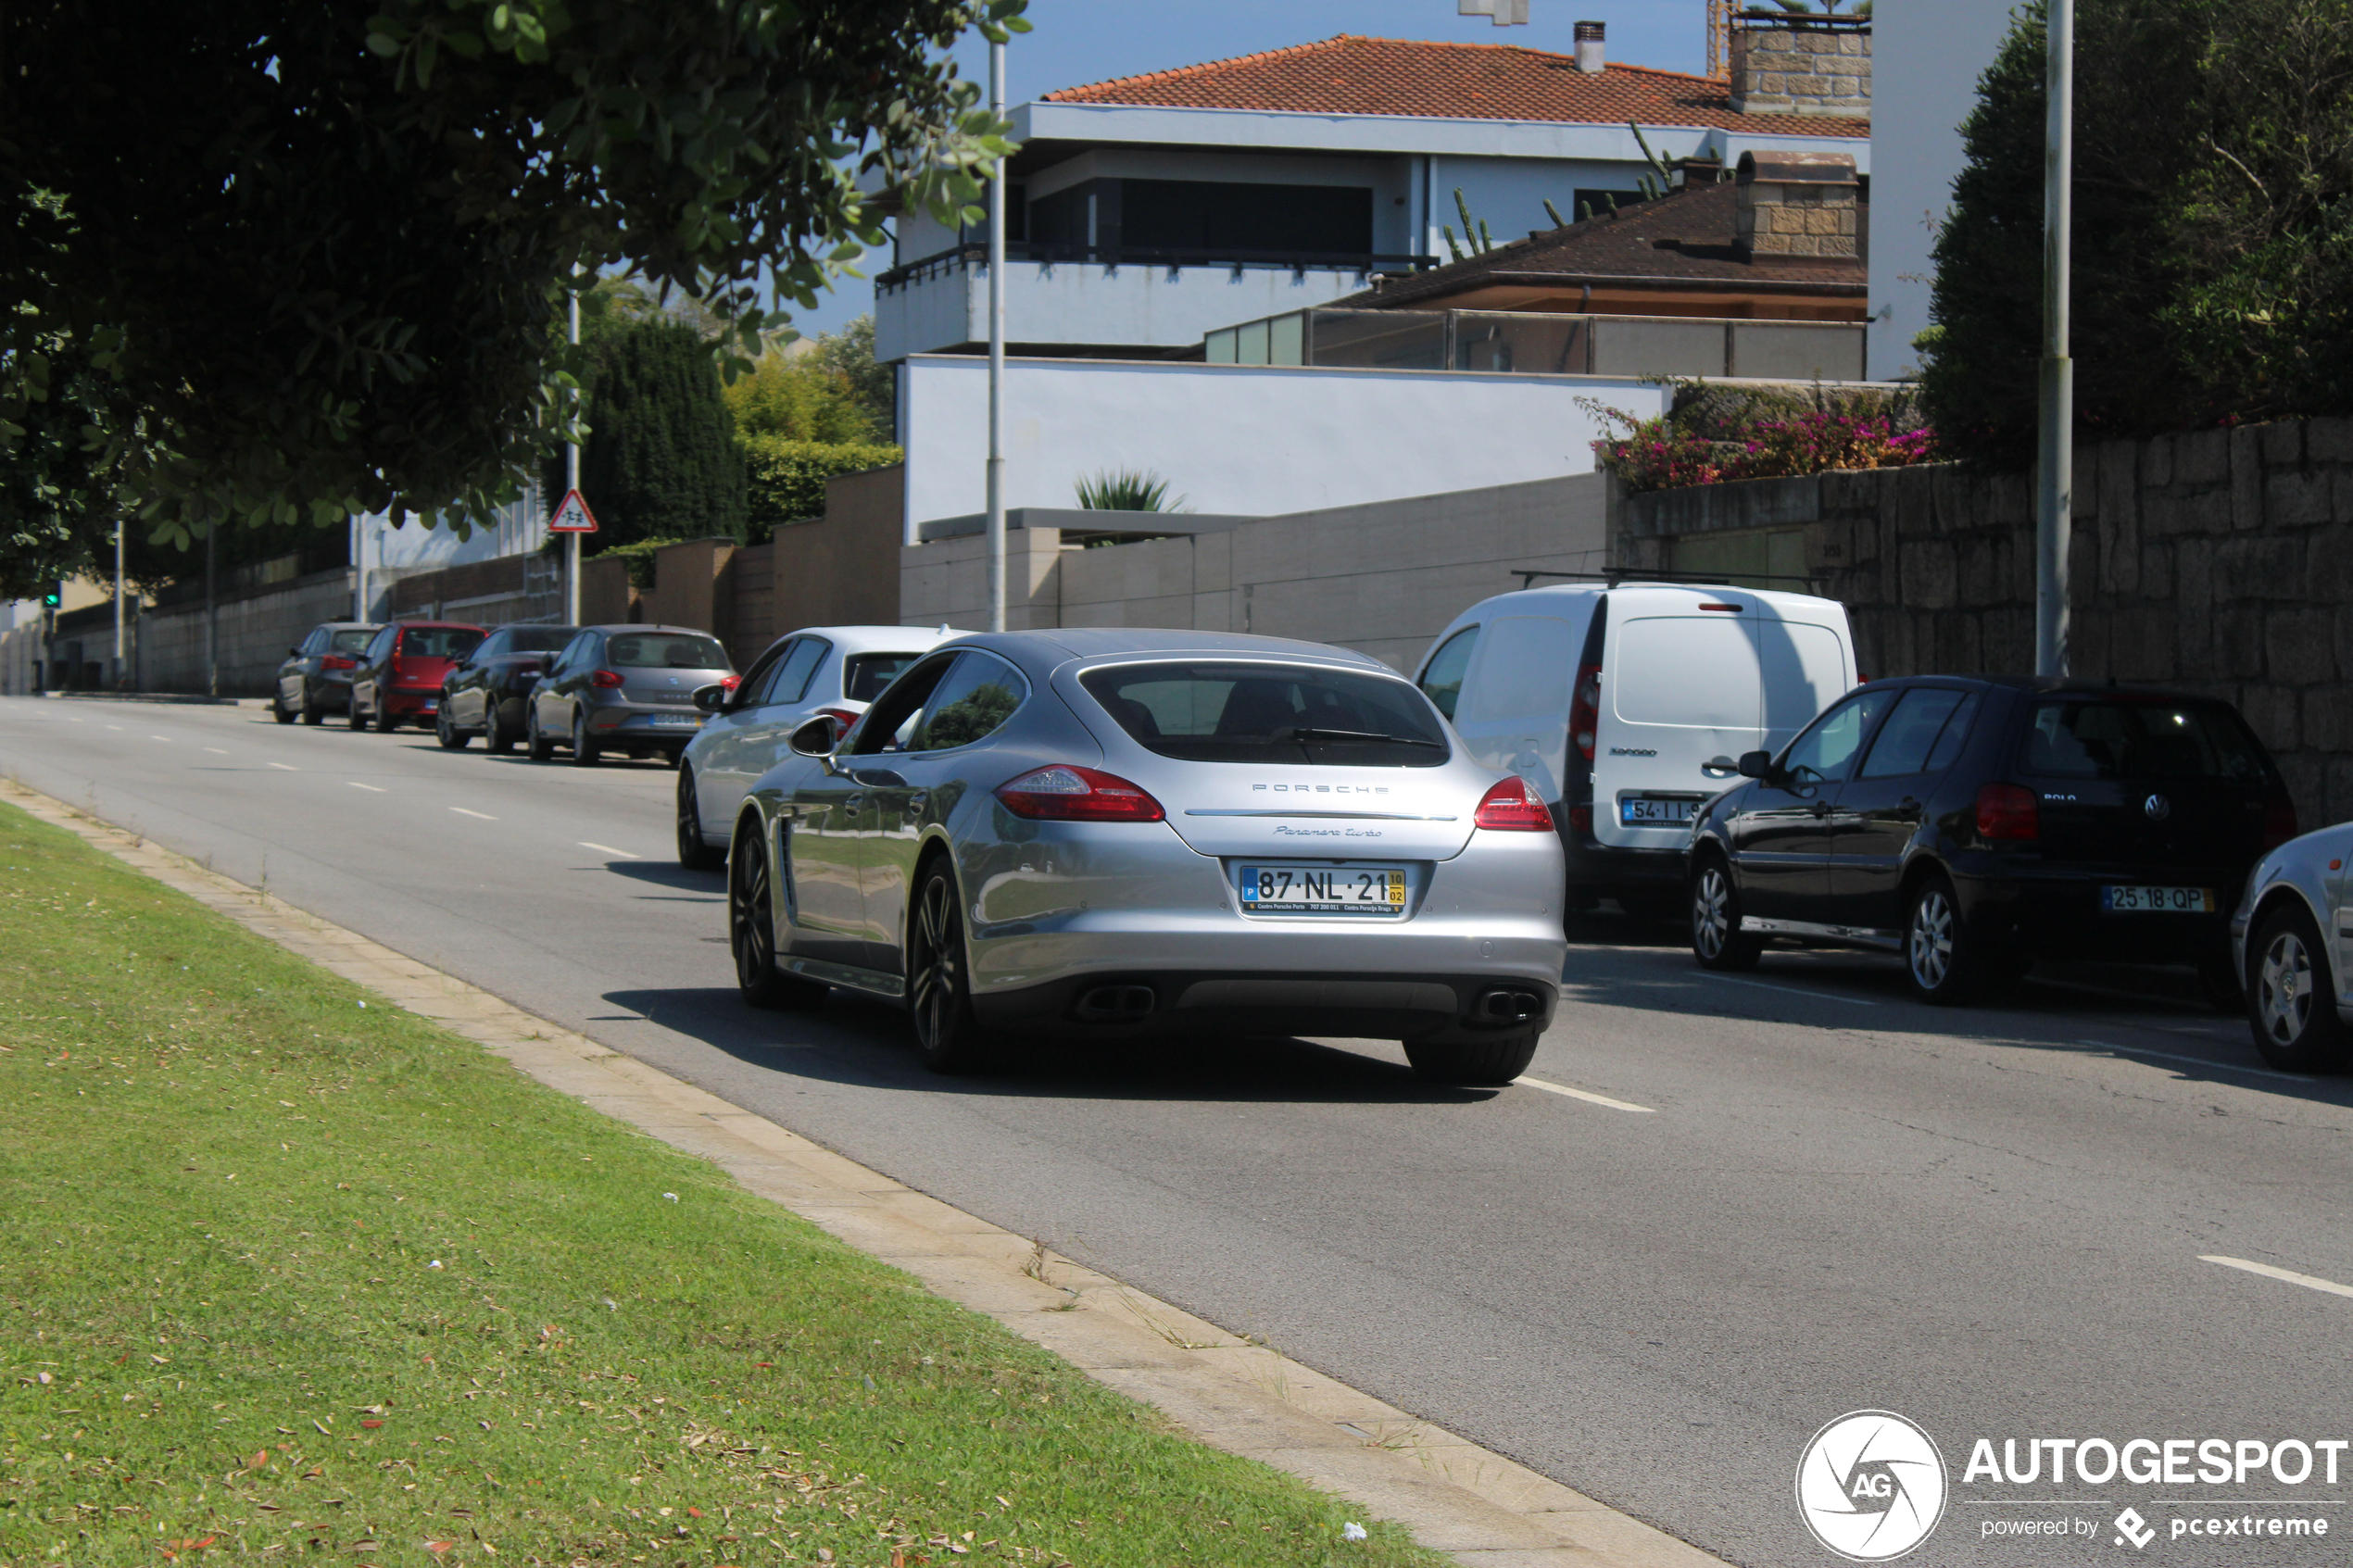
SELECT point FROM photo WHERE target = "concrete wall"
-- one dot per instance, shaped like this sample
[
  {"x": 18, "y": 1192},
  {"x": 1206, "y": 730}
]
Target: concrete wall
[
  {"x": 1383, "y": 578},
  {"x": 1929, "y": 55},
  {"x": 843, "y": 570},
  {"x": 256, "y": 627},
  {"x": 19, "y": 645},
  {"x": 1250, "y": 439},
  {"x": 2220, "y": 561}
]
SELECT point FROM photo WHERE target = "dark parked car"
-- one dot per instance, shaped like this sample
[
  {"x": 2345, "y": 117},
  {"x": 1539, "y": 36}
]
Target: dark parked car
[
  {"x": 626, "y": 688},
  {"x": 484, "y": 694},
  {"x": 1977, "y": 826},
  {"x": 399, "y": 676},
  {"x": 316, "y": 678}
]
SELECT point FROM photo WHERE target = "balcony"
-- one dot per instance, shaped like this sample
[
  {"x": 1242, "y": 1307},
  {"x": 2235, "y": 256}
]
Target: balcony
[
  {"x": 1077, "y": 299},
  {"x": 1543, "y": 342}
]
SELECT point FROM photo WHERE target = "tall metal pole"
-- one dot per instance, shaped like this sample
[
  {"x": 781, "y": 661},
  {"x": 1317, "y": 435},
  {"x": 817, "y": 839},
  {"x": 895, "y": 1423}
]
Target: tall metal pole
[
  {"x": 2056, "y": 499},
  {"x": 211, "y": 614},
  {"x": 571, "y": 481},
  {"x": 997, "y": 356},
  {"x": 118, "y": 601}
]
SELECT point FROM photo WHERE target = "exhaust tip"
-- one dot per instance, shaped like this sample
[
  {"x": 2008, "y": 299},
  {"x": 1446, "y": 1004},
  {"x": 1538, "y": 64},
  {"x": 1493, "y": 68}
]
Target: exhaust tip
[
  {"x": 1117, "y": 1004},
  {"x": 1510, "y": 1006}
]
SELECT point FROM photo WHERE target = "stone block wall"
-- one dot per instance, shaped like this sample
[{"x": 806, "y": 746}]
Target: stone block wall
[
  {"x": 2219, "y": 562},
  {"x": 1789, "y": 68}
]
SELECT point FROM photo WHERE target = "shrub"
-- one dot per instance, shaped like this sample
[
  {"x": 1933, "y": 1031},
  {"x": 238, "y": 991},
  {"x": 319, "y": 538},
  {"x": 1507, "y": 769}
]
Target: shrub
[
  {"x": 1128, "y": 490},
  {"x": 787, "y": 477},
  {"x": 1711, "y": 435}
]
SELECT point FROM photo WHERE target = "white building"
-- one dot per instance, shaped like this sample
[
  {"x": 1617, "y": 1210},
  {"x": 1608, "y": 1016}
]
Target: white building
[
  {"x": 1930, "y": 55},
  {"x": 1145, "y": 212}
]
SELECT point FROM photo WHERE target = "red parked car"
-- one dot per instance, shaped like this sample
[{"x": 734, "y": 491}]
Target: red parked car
[{"x": 399, "y": 676}]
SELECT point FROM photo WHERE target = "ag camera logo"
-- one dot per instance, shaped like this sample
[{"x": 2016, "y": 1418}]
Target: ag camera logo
[{"x": 1871, "y": 1486}]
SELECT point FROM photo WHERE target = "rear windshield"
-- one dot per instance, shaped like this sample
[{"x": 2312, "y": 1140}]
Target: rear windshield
[
  {"x": 1209, "y": 712},
  {"x": 353, "y": 641},
  {"x": 664, "y": 650},
  {"x": 2097, "y": 739},
  {"x": 863, "y": 675},
  {"x": 437, "y": 642},
  {"x": 540, "y": 639}
]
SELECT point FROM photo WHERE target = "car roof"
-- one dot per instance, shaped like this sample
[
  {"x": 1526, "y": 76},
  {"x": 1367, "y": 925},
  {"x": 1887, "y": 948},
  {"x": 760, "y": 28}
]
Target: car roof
[
  {"x": 1564, "y": 593},
  {"x": 867, "y": 639},
  {"x": 2064, "y": 685},
  {"x": 1043, "y": 651},
  {"x": 408, "y": 625}
]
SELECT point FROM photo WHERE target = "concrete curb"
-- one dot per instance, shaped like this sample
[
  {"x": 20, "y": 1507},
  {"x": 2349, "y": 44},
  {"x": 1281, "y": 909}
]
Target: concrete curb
[
  {"x": 1484, "y": 1510},
  {"x": 179, "y": 699}
]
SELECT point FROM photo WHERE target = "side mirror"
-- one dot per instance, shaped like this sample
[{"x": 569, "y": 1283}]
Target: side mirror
[
  {"x": 1755, "y": 764},
  {"x": 711, "y": 699},
  {"x": 816, "y": 738},
  {"x": 294, "y": 653}
]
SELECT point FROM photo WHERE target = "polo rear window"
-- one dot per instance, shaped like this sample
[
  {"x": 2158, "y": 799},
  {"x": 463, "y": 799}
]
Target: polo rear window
[
  {"x": 2098, "y": 739},
  {"x": 1235, "y": 712}
]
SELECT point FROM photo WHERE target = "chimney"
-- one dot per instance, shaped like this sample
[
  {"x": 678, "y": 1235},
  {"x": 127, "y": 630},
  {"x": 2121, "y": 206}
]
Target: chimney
[
  {"x": 1801, "y": 63},
  {"x": 1589, "y": 47},
  {"x": 1796, "y": 206}
]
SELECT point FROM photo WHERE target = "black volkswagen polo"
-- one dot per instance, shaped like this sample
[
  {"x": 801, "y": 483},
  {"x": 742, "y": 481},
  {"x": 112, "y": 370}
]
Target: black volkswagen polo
[{"x": 1977, "y": 825}]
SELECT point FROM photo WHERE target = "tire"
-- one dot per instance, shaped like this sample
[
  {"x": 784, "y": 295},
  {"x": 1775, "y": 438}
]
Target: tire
[
  {"x": 351, "y": 716},
  {"x": 495, "y": 738},
  {"x": 542, "y": 748},
  {"x": 451, "y": 738},
  {"x": 279, "y": 711},
  {"x": 949, "y": 1037},
  {"x": 1941, "y": 958},
  {"x": 752, "y": 936},
  {"x": 313, "y": 714},
  {"x": 2291, "y": 1005},
  {"x": 1718, "y": 941},
  {"x": 385, "y": 722},
  {"x": 584, "y": 752},
  {"x": 1476, "y": 1064},
  {"x": 693, "y": 853}
]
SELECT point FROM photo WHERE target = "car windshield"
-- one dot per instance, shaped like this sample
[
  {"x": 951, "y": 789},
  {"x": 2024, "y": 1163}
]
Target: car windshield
[
  {"x": 353, "y": 641},
  {"x": 1218, "y": 712},
  {"x": 538, "y": 639},
  {"x": 438, "y": 642},
  {"x": 664, "y": 650},
  {"x": 864, "y": 675},
  {"x": 2112, "y": 739}
]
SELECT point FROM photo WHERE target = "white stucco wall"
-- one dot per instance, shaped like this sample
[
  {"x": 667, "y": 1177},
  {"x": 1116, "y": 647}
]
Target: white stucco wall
[
  {"x": 1242, "y": 439},
  {"x": 1086, "y": 303},
  {"x": 1925, "y": 58}
]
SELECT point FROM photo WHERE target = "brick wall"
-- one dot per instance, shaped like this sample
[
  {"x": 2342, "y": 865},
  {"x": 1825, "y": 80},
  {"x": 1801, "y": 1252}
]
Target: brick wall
[{"x": 2219, "y": 562}]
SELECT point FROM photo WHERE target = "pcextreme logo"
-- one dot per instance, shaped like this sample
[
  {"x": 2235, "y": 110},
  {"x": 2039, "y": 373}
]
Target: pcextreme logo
[{"x": 1871, "y": 1486}]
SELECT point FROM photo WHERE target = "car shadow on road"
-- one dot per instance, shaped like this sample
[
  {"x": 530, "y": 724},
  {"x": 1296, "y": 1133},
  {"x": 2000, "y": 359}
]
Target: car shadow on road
[
  {"x": 854, "y": 1041},
  {"x": 712, "y": 886}
]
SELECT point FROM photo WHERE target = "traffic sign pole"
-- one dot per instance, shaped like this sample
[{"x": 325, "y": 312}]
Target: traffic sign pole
[{"x": 572, "y": 488}]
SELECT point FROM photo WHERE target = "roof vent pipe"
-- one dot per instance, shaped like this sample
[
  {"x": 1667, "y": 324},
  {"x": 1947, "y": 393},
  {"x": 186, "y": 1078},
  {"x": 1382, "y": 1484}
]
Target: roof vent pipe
[{"x": 1589, "y": 47}]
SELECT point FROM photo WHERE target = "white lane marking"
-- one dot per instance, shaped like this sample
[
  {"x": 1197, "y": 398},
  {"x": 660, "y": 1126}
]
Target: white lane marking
[
  {"x": 2200, "y": 1061},
  {"x": 1794, "y": 991},
  {"x": 216, "y": 751},
  {"x": 166, "y": 739},
  {"x": 69, "y": 718},
  {"x": 371, "y": 789},
  {"x": 1584, "y": 1094},
  {"x": 2309, "y": 1282},
  {"x": 484, "y": 815},
  {"x": 285, "y": 767},
  {"x": 114, "y": 726},
  {"x": 608, "y": 849}
]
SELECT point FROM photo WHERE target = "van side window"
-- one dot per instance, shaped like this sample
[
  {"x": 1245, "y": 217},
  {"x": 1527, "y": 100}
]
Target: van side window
[
  {"x": 1531, "y": 658},
  {"x": 1910, "y": 734},
  {"x": 1442, "y": 680}
]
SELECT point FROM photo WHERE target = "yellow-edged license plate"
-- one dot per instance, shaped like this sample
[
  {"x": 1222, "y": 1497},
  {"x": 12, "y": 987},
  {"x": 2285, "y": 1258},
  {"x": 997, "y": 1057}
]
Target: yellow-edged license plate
[{"x": 1362, "y": 892}]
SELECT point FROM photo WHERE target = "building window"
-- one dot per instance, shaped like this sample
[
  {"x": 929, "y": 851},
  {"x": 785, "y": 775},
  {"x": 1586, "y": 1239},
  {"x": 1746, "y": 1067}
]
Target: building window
[{"x": 1200, "y": 215}]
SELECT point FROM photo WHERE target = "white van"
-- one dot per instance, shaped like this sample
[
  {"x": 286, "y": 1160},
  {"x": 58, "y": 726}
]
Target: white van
[{"x": 1627, "y": 705}]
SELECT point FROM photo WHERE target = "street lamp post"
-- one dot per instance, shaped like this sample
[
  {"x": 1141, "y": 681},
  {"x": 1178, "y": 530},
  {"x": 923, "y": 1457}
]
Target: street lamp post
[
  {"x": 997, "y": 353},
  {"x": 2055, "y": 497},
  {"x": 571, "y": 481}
]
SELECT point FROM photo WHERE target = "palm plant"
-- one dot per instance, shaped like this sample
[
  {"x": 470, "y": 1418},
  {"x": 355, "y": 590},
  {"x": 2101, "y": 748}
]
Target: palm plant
[{"x": 1128, "y": 490}]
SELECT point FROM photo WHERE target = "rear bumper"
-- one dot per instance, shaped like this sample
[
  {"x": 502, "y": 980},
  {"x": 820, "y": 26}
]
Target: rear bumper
[
  {"x": 2053, "y": 913},
  {"x": 1155, "y": 1002},
  {"x": 413, "y": 701},
  {"x": 618, "y": 723}
]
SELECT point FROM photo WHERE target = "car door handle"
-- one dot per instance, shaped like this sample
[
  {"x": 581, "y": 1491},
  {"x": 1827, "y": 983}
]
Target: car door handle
[{"x": 1820, "y": 808}]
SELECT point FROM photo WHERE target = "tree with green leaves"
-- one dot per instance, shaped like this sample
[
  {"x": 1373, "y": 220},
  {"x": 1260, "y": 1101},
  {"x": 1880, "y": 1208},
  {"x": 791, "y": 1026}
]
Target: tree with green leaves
[
  {"x": 661, "y": 460},
  {"x": 2213, "y": 238},
  {"x": 278, "y": 262}
]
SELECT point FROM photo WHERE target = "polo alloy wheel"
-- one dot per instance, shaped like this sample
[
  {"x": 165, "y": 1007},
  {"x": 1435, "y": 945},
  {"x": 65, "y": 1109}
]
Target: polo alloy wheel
[
  {"x": 1940, "y": 957},
  {"x": 2291, "y": 1003},
  {"x": 1716, "y": 939}
]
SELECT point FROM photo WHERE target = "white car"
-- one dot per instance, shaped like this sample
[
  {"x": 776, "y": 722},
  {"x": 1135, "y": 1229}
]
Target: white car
[
  {"x": 2293, "y": 936},
  {"x": 836, "y": 669},
  {"x": 1626, "y": 706}
]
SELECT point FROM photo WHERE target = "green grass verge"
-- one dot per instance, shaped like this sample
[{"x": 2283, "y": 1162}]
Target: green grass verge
[{"x": 291, "y": 1276}]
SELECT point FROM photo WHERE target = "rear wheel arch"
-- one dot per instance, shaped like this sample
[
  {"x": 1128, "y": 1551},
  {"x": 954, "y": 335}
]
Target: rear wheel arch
[
  {"x": 935, "y": 849},
  {"x": 2286, "y": 894}
]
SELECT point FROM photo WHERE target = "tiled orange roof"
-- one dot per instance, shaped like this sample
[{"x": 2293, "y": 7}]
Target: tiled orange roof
[{"x": 1391, "y": 76}]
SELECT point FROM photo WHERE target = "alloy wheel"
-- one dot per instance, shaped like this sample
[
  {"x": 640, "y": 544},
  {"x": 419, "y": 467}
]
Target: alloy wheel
[
  {"x": 750, "y": 925},
  {"x": 937, "y": 972},
  {"x": 1931, "y": 939},
  {"x": 2283, "y": 989},
  {"x": 1712, "y": 913}
]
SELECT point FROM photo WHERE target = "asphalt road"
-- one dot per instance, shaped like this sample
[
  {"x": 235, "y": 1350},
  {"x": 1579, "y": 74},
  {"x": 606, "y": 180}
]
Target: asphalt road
[{"x": 1990, "y": 1220}]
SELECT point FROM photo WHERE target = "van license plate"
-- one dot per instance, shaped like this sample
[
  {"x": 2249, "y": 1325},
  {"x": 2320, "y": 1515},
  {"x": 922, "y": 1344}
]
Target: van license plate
[
  {"x": 1357, "y": 892},
  {"x": 2137, "y": 899},
  {"x": 1644, "y": 812}
]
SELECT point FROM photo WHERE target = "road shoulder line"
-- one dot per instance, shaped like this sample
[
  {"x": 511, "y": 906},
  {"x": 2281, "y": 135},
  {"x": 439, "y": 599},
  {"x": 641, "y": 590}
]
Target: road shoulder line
[{"x": 1231, "y": 1392}]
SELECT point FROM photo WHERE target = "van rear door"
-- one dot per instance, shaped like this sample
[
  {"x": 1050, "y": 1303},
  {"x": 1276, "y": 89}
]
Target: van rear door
[
  {"x": 1514, "y": 713},
  {"x": 1683, "y": 696}
]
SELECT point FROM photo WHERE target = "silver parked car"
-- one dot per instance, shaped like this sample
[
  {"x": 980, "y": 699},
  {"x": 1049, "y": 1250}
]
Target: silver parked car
[
  {"x": 1103, "y": 833},
  {"x": 2293, "y": 932},
  {"x": 624, "y": 688},
  {"x": 836, "y": 669}
]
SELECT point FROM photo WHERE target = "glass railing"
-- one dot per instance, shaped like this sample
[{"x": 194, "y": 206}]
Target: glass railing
[{"x": 1542, "y": 343}]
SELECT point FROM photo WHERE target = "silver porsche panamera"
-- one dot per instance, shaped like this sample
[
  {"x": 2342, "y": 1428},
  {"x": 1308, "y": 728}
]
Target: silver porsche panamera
[{"x": 1107, "y": 833}]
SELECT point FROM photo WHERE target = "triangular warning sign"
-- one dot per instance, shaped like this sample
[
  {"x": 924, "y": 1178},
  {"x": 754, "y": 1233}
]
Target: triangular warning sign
[{"x": 572, "y": 517}]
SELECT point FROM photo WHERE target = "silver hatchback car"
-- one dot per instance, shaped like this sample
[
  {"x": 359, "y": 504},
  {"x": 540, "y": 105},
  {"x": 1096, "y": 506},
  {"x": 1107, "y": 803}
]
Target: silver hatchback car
[{"x": 1102, "y": 834}]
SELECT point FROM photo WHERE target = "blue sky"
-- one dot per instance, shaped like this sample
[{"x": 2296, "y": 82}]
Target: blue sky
[{"x": 1081, "y": 41}]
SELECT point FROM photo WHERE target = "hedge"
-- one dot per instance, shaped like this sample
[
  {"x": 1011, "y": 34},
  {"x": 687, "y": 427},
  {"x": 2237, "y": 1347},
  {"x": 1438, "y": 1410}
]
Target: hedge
[{"x": 788, "y": 478}]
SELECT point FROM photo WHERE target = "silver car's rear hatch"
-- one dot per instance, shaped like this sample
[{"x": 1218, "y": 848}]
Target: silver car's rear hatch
[{"x": 1340, "y": 813}]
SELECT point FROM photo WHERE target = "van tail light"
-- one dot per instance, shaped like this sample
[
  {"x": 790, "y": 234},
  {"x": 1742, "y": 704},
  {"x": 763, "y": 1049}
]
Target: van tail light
[
  {"x": 1585, "y": 709},
  {"x": 337, "y": 661},
  {"x": 1511, "y": 807},
  {"x": 2279, "y": 818},
  {"x": 2008, "y": 813},
  {"x": 607, "y": 679},
  {"x": 842, "y": 717},
  {"x": 1067, "y": 793}
]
